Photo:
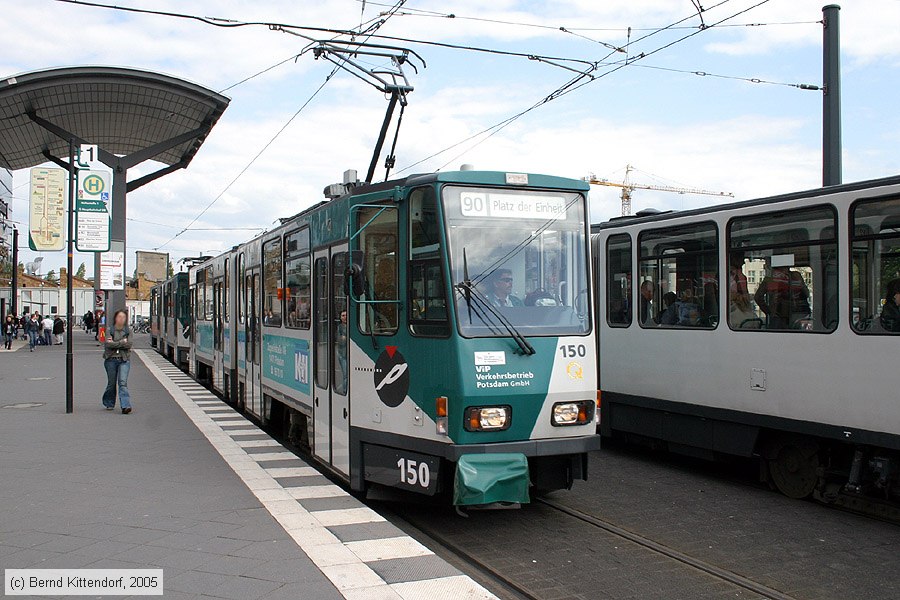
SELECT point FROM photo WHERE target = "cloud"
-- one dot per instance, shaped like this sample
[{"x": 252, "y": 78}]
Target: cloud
[
  {"x": 869, "y": 31},
  {"x": 673, "y": 131}
]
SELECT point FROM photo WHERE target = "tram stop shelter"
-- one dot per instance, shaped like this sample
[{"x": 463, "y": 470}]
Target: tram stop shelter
[{"x": 131, "y": 115}]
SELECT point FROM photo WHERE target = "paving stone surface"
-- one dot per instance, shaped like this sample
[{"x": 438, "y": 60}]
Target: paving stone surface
[
  {"x": 101, "y": 489},
  {"x": 717, "y": 514}
]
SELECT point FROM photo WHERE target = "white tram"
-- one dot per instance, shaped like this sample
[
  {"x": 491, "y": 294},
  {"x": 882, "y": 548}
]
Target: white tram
[{"x": 765, "y": 328}]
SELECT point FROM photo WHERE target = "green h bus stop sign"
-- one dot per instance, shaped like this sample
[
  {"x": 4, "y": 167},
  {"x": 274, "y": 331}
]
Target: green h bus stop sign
[{"x": 93, "y": 210}]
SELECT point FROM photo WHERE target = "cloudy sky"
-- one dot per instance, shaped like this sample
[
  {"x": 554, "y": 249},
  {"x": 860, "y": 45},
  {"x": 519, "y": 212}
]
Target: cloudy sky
[{"x": 751, "y": 139}]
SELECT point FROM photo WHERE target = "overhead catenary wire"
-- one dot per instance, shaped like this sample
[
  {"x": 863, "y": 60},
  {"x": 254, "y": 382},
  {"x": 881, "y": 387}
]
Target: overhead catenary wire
[
  {"x": 559, "y": 91},
  {"x": 580, "y": 81},
  {"x": 421, "y": 12},
  {"x": 296, "y": 29},
  {"x": 143, "y": 222},
  {"x": 264, "y": 148},
  {"x": 249, "y": 164}
]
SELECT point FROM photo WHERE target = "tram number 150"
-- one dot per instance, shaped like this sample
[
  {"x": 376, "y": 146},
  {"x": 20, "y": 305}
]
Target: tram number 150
[{"x": 414, "y": 473}]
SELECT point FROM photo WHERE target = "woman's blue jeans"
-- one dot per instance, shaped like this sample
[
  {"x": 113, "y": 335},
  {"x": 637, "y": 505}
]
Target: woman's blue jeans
[{"x": 116, "y": 375}]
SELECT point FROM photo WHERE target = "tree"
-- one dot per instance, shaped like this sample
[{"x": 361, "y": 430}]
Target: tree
[
  {"x": 51, "y": 276},
  {"x": 170, "y": 270},
  {"x": 82, "y": 271}
]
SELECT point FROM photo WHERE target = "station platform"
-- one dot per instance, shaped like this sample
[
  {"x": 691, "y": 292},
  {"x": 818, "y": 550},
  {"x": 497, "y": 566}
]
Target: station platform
[{"x": 185, "y": 484}]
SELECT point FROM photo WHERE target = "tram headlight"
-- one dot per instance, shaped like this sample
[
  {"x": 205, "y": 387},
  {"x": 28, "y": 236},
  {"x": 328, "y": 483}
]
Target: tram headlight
[
  {"x": 573, "y": 413},
  {"x": 488, "y": 418}
]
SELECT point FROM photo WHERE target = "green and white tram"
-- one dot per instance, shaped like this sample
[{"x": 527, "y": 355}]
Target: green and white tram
[{"x": 431, "y": 333}]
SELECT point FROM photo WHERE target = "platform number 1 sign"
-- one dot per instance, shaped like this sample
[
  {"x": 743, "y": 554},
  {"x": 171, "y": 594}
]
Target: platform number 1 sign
[{"x": 87, "y": 154}]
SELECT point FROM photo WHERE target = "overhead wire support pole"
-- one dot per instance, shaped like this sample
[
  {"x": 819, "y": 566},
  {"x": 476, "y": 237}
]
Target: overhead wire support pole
[{"x": 831, "y": 100}]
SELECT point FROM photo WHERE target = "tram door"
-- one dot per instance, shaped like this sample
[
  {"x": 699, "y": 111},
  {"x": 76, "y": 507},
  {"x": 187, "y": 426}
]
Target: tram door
[
  {"x": 331, "y": 407},
  {"x": 252, "y": 399}
]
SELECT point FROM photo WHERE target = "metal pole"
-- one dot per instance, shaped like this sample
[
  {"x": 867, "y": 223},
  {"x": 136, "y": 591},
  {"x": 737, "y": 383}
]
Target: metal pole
[
  {"x": 14, "y": 282},
  {"x": 831, "y": 108},
  {"x": 381, "y": 135},
  {"x": 116, "y": 298},
  {"x": 70, "y": 384}
]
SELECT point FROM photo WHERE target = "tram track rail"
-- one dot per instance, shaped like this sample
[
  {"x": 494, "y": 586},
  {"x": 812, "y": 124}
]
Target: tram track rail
[
  {"x": 516, "y": 590},
  {"x": 645, "y": 542},
  {"x": 507, "y": 587}
]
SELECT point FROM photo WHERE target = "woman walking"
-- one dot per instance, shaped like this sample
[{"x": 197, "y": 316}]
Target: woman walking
[
  {"x": 9, "y": 332},
  {"x": 33, "y": 329},
  {"x": 117, "y": 361}
]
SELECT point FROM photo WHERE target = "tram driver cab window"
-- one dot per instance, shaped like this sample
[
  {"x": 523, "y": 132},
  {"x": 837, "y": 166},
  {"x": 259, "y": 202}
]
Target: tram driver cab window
[{"x": 517, "y": 258}]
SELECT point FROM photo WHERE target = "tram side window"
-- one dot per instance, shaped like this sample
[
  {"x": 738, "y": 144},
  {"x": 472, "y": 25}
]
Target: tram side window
[
  {"x": 209, "y": 296},
  {"x": 242, "y": 298},
  {"x": 322, "y": 322},
  {"x": 200, "y": 297},
  {"x": 875, "y": 274},
  {"x": 679, "y": 277},
  {"x": 618, "y": 280},
  {"x": 225, "y": 293},
  {"x": 427, "y": 296},
  {"x": 783, "y": 271},
  {"x": 273, "y": 291},
  {"x": 297, "y": 281},
  {"x": 378, "y": 239}
]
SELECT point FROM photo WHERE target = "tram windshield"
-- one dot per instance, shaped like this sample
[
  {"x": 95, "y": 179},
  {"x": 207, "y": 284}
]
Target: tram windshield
[{"x": 518, "y": 261}]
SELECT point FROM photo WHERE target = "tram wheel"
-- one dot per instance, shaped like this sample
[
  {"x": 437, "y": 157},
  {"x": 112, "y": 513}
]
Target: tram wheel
[{"x": 794, "y": 469}]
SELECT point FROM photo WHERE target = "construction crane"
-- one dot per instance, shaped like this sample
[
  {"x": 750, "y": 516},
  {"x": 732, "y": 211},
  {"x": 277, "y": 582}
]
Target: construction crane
[{"x": 629, "y": 186}]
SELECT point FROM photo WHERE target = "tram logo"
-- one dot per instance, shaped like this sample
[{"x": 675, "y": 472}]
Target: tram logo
[
  {"x": 574, "y": 370},
  {"x": 391, "y": 377}
]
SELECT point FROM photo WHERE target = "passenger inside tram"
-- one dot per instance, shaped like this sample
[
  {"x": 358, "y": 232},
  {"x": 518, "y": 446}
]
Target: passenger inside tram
[
  {"x": 669, "y": 315},
  {"x": 646, "y": 307},
  {"x": 784, "y": 298},
  {"x": 890, "y": 312}
]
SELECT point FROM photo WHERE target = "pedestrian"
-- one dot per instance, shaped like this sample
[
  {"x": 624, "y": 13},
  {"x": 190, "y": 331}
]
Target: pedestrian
[
  {"x": 23, "y": 323},
  {"x": 33, "y": 329},
  {"x": 97, "y": 322},
  {"x": 59, "y": 330},
  {"x": 117, "y": 361},
  {"x": 47, "y": 325},
  {"x": 88, "y": 321},
  {"x": 9, "y": 332}
]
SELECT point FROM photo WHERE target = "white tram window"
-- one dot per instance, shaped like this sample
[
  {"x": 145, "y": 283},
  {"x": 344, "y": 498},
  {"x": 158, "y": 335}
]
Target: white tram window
[
  {"x": 782, "y": 271},
  {"x": 618, "y": 280},
  {"x": 875, "y": 269},
  {"x": 273, "y": 292},
  {"x": 679, "y": 275}
]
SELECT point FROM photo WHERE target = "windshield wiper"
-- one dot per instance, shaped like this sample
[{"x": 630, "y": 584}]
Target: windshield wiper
[{"x": 482, "y": 305}]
